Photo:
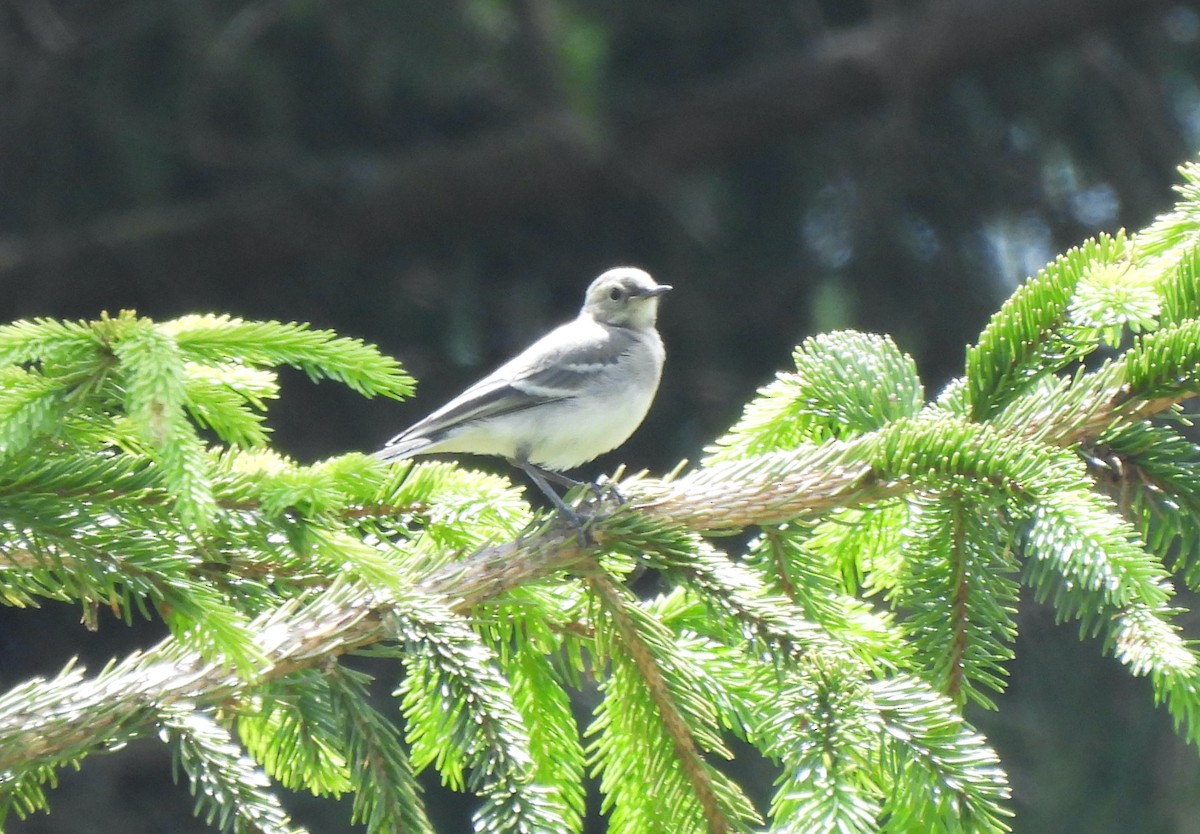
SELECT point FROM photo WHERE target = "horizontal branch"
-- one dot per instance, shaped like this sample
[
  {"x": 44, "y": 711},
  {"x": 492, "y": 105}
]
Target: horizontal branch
[
  {"x": 62, "y": 719},
  {"x": 546, "y": 159}
]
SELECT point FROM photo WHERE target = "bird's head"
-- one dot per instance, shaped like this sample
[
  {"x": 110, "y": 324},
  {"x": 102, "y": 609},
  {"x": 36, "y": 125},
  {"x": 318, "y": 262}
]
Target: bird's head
[{"x": 624, "y": 297}]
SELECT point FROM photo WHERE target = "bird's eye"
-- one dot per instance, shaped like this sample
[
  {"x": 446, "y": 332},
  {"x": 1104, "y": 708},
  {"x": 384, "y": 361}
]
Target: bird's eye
[{"x": 615, "y": 293}]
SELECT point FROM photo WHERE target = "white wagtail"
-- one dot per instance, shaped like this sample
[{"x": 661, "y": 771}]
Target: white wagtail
[{"x": 572, "y": 395}]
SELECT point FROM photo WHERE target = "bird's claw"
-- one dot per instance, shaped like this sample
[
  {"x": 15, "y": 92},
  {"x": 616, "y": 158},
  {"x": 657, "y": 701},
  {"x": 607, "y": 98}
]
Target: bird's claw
[{"x": 603, "y": 492}]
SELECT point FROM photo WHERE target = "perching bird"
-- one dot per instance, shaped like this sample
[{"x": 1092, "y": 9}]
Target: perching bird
[{"x": 579, "y": 391}]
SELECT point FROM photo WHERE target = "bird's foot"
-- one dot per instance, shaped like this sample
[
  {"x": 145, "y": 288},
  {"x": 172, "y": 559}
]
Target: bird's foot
[
  {"x": 582, "y": 525},
  {"x": 602, "y": 496}
]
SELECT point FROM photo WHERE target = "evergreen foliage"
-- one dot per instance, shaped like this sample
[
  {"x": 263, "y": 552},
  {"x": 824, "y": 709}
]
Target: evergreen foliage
[{"x": 894, "y": 540}]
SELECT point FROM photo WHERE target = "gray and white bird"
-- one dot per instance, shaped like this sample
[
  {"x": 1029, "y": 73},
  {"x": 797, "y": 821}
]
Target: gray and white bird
[{"x": 576, "y": 393}]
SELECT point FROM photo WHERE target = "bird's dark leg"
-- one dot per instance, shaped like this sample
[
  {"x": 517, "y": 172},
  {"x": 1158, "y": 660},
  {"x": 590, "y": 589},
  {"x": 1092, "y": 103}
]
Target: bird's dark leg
[
  {"x": 554, "y": 477},
  {"x": 599, "y": 491},
  {"x": 539, "y": 476}
]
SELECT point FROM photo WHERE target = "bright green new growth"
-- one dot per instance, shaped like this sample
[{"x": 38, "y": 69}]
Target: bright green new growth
[{"x": 894, "y": 540}]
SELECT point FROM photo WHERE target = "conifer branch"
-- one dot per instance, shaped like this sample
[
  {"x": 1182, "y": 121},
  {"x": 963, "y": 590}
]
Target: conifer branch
[
  {"x": 959, "y": 614},
  {"x": 656, "y": 686},
  {"x": 64, "y": 718}
]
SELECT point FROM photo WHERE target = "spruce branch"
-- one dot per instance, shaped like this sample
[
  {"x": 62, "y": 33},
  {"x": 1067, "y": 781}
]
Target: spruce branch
[
  {"x": 228, "y": 786},
  {"x": 59, "y": 720},
  {"x": 63, "y": 719},
  {"x": 632, "y": 642},
  {"x": 388, "y": 794}
]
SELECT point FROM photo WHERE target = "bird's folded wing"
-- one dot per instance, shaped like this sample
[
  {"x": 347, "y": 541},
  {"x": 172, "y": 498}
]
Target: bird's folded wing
[
  {"x": 557, "y": 371},
  {"x": 488, "y": 398},
  {"x": 570, "y": 372}
]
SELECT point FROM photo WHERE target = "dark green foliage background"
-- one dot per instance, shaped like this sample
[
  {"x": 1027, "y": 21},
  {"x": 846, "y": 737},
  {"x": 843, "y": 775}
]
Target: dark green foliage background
[{"x": 258, "y": 159}]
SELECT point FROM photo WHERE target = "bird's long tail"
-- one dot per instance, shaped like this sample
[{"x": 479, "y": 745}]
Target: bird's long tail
[{"x": 403, "y": 449}]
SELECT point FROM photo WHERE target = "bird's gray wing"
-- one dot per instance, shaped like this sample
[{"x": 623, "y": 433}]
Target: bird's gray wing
[
  {"x": 489, "y": 397},
  {"x": 556, "y": 368},
  {"x": 574, "y": 368}
]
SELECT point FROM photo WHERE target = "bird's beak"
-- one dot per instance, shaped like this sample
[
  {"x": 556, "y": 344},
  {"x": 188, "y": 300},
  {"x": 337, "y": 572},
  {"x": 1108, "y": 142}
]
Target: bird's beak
[{"x": 658, "y": 290}]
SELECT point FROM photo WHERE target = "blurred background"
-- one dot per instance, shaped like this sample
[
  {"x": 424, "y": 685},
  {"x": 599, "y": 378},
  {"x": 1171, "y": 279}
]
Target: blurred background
[{"x": 444, "y": 178}]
